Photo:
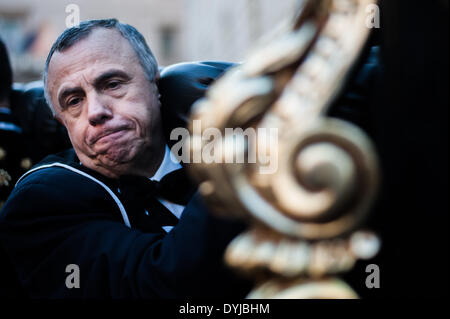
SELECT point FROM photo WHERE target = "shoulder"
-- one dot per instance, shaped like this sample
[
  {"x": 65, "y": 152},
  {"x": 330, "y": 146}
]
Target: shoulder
[
  {"x": 61, "y": 171},
  {"x": 54, "y": 175},
  {"x": 57, "y": 188}
]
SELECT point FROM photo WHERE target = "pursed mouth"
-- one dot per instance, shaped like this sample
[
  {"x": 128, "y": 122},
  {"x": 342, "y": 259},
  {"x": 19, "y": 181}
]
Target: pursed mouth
[{"x": 107, "y": 133}]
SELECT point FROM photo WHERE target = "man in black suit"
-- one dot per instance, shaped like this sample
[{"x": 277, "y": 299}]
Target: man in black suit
[{"x": 114, "y": 216}]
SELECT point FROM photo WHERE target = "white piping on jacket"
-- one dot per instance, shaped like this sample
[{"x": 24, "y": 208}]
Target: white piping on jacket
[{"x": 110, "y": 192}]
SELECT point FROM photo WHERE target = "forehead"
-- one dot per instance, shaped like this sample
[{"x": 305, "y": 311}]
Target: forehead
[{"x": 102, "y": 48}]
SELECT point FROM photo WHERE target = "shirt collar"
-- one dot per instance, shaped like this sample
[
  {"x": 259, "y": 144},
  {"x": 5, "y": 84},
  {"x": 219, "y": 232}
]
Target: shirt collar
[{"x": 168, "y": 165}]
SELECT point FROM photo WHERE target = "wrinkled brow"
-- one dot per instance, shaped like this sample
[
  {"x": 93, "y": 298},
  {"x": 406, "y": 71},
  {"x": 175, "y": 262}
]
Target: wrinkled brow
[
  {"x": 102, "y": 78},
  {"x": 98, "y": 82}
]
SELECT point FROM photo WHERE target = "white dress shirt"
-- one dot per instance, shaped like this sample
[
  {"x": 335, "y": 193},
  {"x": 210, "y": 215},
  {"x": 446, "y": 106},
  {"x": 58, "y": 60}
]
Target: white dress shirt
[{"x": 168, "y": 165}]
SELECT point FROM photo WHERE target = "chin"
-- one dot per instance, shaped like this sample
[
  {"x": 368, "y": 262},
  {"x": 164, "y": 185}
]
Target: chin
[{"x": 119, "y": 157}]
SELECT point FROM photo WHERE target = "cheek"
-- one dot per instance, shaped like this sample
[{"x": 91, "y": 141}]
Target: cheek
[
  {"x": 143, "y": 113},
  {"x": 145, "y": 124},
  {"x": 76, "y": 134}
]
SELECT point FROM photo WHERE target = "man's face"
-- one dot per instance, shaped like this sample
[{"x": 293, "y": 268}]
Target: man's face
[{"x": 110, "y": 109}]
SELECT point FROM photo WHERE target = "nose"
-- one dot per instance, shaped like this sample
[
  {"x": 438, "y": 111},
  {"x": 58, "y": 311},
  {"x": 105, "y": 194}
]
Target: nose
[{"x": 99, "y": 111}]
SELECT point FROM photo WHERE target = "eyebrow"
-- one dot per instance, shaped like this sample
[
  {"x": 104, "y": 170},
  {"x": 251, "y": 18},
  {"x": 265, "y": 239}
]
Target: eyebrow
[
  {"x": 110, "y": 74},
  {"x": 97, "y": 83}
]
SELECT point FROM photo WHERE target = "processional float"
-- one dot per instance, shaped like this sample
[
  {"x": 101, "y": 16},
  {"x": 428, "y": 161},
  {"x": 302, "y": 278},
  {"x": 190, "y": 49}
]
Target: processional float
[{"x": 305, "y": 215}]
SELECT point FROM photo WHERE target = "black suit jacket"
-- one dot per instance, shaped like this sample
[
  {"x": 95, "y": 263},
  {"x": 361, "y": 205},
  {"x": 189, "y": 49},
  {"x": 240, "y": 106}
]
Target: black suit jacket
[{"x": 57, "y": 216}]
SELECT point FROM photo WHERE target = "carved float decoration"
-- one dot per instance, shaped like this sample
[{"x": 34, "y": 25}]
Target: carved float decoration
[{"x": 305, "y": 215}]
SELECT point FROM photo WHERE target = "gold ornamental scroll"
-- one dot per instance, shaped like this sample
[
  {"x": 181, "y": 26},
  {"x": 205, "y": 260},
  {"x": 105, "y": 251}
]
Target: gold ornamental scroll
[{"x": 305, "y": 212}]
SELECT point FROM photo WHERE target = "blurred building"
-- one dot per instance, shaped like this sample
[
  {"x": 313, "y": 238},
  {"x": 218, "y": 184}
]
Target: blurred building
[
  {"x": 227, "y": 30},
  {"x": 176, "y": 30},
  {"x": 29, "y": 27}
]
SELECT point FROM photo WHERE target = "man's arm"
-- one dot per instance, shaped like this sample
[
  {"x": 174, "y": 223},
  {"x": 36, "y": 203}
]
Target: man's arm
[{"x": 45, "y": 226}]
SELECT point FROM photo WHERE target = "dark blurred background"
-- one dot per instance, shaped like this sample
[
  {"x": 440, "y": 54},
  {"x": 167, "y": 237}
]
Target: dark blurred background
[{"x": 408, "y": 121}]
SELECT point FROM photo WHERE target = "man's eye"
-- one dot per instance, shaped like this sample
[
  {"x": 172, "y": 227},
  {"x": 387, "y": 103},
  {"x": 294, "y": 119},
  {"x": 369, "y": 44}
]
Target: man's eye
[
  {"x": 112, "y": 85},
  {"x": 74, "y": 101}
]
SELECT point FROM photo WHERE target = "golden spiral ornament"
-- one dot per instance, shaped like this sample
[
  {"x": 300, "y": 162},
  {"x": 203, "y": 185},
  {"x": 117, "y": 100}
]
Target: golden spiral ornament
[{"x": 303, "y": 214}]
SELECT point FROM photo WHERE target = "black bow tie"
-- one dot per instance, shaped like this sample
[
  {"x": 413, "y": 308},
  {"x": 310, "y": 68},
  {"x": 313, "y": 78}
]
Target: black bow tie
[{"x": 175, "y": 187}]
